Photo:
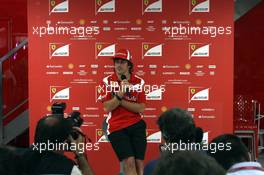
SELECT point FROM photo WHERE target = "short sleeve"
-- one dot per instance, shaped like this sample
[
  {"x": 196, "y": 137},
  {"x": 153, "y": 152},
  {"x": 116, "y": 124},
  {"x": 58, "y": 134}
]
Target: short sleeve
[{"x": 103, "y": 93}]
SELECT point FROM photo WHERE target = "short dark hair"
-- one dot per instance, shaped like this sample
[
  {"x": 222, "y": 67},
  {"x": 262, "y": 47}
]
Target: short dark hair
[
  {"x": 238, "y": 152},
  {"x": 177, "y": 125},
  {"x": 53, "y": 129},
  {"x": 187, "y": 162},
  {"x": 10, "y": 163},
  {"x": 130, "y": 64}
]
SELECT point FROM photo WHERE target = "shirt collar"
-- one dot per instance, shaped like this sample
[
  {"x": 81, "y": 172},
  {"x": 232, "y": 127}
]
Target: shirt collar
[{"x": 245, "y": 164}]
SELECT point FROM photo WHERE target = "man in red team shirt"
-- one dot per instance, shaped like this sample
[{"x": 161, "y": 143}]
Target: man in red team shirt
[{"x": 125, "y": 102}]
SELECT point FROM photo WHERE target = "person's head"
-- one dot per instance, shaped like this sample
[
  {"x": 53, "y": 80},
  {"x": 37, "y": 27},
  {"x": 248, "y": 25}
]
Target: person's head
[
  {"x": 236, "y": 151},
  {"x": 122, "y": 62},
  {"x": 10, "y": 163},
  {"x": 52, "y": 129},
  {"x": 177, "y": 125},
  {"x": 187, "y": 162}
]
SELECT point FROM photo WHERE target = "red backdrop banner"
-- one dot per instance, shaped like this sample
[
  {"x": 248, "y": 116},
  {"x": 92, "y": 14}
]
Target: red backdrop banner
[{"x": 183, "y": 49}]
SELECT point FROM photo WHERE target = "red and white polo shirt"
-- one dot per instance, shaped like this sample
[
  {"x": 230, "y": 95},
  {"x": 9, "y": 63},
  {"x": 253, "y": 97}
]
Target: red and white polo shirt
[{"x": 120, "y": 117}]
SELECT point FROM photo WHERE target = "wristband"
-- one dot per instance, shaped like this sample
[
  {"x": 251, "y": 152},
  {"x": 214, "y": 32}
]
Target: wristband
[
  {"x": 118, "y": 98},
  {"x": 79, "y": 155}
]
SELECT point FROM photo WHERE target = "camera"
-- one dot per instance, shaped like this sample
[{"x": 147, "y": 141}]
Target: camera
[{"x": 74, "y": 118}]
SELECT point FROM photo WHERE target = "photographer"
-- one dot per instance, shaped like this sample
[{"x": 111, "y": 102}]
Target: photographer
[{"x": 56, "y": 134}]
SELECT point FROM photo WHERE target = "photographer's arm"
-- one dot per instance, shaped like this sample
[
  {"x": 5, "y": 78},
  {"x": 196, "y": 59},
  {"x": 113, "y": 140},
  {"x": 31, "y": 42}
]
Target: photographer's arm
[
  {"x": 84, "y": 165},
  {"x": 80, "y": 156}
]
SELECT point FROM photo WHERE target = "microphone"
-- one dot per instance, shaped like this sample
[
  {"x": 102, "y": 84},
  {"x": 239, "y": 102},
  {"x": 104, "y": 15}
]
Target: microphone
[{"x": 123, "y": 77}]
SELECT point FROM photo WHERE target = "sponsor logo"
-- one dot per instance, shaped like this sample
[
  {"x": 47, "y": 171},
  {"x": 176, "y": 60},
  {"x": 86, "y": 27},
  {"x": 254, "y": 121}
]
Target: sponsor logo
[
  {"x": 89, "y": 124},
  {"x": 59, "y": 93},
  {"x": 93, "y": 22},
  {"x": 212, "y": 66},
  {"x": 82, "y": 73},
  {"x": 199, "y": 66},
  {"x": 164, "y": 22},
  {"x": 150, "y": 6},
  {"x": 94, "y": 66},
  {"x": 136, "y": 28},
  {"x": 198, "y": 94},
  {"x": 154, "y": 95},
  {"x": 70, "y": 66},
  {"x": 59, "y": 50},
  {"x": 150, "y": 116},
  {"x": 191, "y": 109},
  {"x": 140, "y": 73},
  {"x": 139, "y": 21},
  {"x": 91, "y": 108},
  {"x": 75, "y": 108},
  {"x": 208, "y": 109},
  {"x": 82, "y": 66},
  {"x": 151, "y": 50},
  {"x": 92, "y": 115},
  {"x": 185, "y": 73},
  {"x": 198, "y": 50},
  {"x": 104, "y": 50},
  {"x": 212, "y": 73},
  {"x": 199, "y": 73},
  {"x": 104, "y": 6},
  {"x": 170, "y": 66},
  {"x": 109, "y": 66},
  {"x": 58, "y": 6},
  {"x": 94, "y": 72},
  {"x": 188, "y": 66},
  {"x": 120, "y": 28},
  {"x": 150, "y": 21},
  {"x": 168, "y": 73},
  {"x": 67, "y": 73},
  {"x": 52, "y": 73},
  {"x": 106, "y": 28},
  {"x": 100, "y": 92},
  {"x": 202, "y": 116},
  {"x": 54, "y": 66},
  {"x": 153, "y": 66},
  {"x": 151, "y": 28},
  {"x": 108, "y": 73},
  {"x": 100, "y": 136},
  {"x": 153, "y": 136},
  {"x": 122, "y": 22},
  {"x": 150, "y": 109},
  {"x": 152, "y": 72},
  {"x": 199, "y": 6}
]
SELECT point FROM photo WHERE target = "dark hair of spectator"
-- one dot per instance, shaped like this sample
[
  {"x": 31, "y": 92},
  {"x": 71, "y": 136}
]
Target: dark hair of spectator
[
  {"x": 177, "y": 124},
  {"x": 187, "y": 163},
  {"x": 10, "y": 163},
  {"x": 227, "y": 158}
]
